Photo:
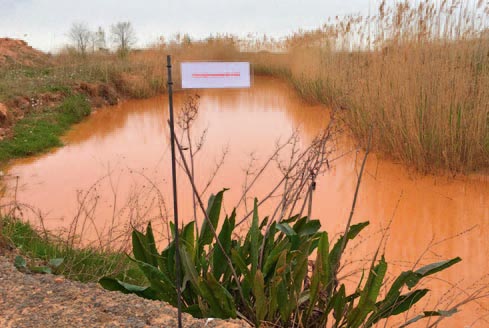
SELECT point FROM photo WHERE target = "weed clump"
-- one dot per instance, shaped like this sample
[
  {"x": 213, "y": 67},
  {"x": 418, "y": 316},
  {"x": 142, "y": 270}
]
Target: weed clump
[
  {"x": 82, "y": 264},
  {"x": 266, "y": 277}
]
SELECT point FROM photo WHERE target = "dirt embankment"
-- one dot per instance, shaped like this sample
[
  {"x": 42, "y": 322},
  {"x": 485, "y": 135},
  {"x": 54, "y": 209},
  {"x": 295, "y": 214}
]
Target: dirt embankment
[
  {"x": 35, "y": 300},
  {"x": 98, "y": 94},
  {"x": 15, "y": 54},
  {"x": 18, "y": 52}
]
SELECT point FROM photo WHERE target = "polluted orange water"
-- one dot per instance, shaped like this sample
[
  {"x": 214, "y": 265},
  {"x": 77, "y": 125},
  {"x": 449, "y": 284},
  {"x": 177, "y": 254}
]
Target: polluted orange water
[{"x": 114, "y": 173}]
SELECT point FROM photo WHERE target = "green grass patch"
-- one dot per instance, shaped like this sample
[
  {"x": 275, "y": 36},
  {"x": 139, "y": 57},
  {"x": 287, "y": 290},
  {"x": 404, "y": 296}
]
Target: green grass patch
[
  {"x": 58, "y": 88},
  {"x": 83, "y": 264},
  {"x": 38, "y": 132}
]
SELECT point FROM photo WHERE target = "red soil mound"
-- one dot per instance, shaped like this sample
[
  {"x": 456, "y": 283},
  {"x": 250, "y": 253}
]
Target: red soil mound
[{"x": 18, "y": 52}]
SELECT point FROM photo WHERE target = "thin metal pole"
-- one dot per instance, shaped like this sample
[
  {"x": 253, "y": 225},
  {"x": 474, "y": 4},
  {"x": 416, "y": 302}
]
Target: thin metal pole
[
  {"x": 312, "y": 187},
  {"x": 175, "y": 203}
]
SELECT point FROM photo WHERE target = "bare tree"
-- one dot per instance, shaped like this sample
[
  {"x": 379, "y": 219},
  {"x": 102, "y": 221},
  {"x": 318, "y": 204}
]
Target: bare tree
[
  {"x": 80, "y": 35},
  {"x": 123, "y": 36}
]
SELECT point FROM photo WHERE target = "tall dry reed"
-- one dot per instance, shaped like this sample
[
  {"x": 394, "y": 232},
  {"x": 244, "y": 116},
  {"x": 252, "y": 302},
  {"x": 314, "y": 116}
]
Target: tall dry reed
[{"x": 417, "y": 75}]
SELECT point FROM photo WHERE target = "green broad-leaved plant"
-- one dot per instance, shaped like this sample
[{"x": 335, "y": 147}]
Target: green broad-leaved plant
[{"x": 270, "y": 275}]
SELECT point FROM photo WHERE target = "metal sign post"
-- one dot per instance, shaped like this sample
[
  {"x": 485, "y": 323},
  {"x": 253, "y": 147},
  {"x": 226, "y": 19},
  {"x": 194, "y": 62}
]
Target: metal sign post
[
  {"x": 215, "y": 75},
  {"x": 199, "y": 75},
  {"x": 175, "y": 202}
]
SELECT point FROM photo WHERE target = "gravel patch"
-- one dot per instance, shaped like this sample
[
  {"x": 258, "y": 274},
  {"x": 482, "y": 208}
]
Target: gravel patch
[{"x": 35, "y": 300}]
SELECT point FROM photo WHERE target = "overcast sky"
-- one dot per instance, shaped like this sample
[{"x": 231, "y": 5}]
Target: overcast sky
[{"x": 45, "y": 23}]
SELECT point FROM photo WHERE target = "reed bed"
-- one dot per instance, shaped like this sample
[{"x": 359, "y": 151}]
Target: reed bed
[{"x": 416, "y": 75}]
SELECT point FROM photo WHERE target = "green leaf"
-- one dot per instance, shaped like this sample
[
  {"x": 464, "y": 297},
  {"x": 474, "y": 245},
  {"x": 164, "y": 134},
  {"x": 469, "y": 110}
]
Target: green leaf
[
  {"x": 189, "y": 267},
  {"x": 269, "y": 246},
  {"x": 393, "y": 299},
  {"x": 213, "y": 309},
  {"x": 274, "y": 255},
  {"x": 159, "y": 281},
  {"x": 305, "y": 227},
  {"x": 437, "y": 267},
  {"x": 405, "y": 302},
  {"x": 168, "y": 261},
  {"x": 172, "y": 230},
  {"x": 254, "y": 239},
  {"x": 260, "y": 298},
  {"x": 220, "y": 302},
  {"x": 323, "y": 255},
  {"x": 117, "y": 285},
  {"x": 440, "y": 313},
  {"x": 20, "y": 262},
  {"x": 140, "y": 248},
  {"x": 153, "y": 274},
  {"x": 240, "y": 264},
  {"x": 150, "y": 241},
  {"x": 408, "y": 278},
  {"x": 369, "y": 295},
  {"x": 264, "y": 223},
  {"x": 194, "y": 311},
  {"x": 338, "y": 302},
  {"x": 273, "y": 295},
  {"x": 291, "y": 219},
  {"x": 375, "y": 280},
  {"x": 283, "y": 302},
  {"x": 213, "y": 212},
  {"x": 56, "y": 263},
  {"x": 402, "y": 304},
  {"x": 219, "y": 261},
  {"x": 188, "y": 239},
  {"x": 221, "y": 299},
  {"x": 299, "y": 266},
  {"x": 299, "y": 224},
  {"x": 41, "y": 269},
  {"x": 384, "y": 307},
  {"x": 283, "y": 297},
  {"x": 427, "y": 314},
  {"x": 320, "y": 275},
  {"x": 286, "y": 229},
  {"x": 352, "y": 233}
]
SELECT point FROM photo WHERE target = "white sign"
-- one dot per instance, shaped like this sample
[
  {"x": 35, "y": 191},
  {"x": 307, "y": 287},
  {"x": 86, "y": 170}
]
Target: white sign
[{"x": 209, "y": 75}]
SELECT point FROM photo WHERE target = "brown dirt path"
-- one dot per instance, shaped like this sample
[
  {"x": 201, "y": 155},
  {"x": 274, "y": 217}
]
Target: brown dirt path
[{"x": 35, "y": 300}]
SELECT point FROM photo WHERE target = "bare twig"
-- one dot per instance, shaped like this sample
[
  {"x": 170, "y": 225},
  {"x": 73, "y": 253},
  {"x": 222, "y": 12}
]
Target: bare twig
[{"x": 352, "y": 211}]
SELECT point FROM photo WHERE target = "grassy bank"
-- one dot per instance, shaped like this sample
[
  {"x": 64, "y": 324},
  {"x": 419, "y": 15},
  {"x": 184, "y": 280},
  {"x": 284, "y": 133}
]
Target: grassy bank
[
  {"x": 39, "y": 131},
  {"x": 131, "y": 77},
  {"x": 83, "y": 264}
]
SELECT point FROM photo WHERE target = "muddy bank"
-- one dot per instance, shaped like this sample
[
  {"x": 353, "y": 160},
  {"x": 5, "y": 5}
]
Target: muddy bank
[
  {"x": 33, "y": 83},
  {"x": 15, "y": 109}
]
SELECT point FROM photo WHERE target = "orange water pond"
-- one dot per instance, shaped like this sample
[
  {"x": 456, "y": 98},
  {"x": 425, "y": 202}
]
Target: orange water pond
[{"x": 107, "y": 175}]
